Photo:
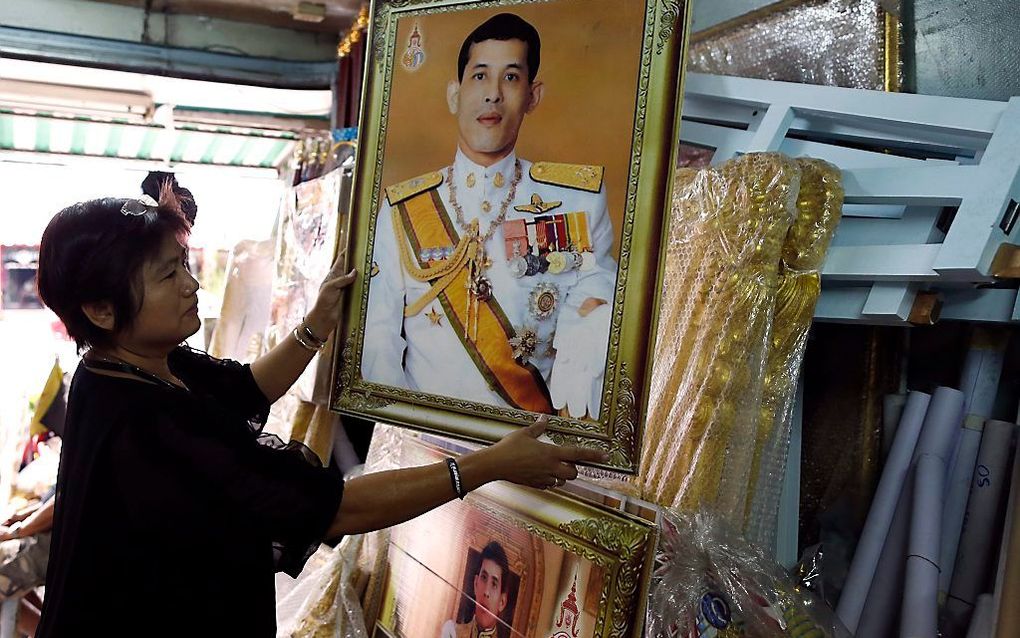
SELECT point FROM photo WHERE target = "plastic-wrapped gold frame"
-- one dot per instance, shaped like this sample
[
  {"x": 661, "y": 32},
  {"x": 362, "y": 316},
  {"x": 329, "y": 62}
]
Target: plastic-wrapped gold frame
[{"x": 891, "y": 37}]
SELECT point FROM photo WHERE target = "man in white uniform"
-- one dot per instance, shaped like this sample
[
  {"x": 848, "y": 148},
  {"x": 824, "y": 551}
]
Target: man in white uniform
[{"x": 492, "y": 279}]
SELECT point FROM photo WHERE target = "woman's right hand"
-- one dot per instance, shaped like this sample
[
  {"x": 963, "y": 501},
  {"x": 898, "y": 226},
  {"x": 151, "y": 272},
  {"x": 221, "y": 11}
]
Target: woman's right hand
[{"x": 521, "y": 458}]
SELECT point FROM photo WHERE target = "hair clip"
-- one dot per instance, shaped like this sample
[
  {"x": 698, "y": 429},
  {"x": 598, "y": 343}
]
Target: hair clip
[{"x": 140, "y": 206}]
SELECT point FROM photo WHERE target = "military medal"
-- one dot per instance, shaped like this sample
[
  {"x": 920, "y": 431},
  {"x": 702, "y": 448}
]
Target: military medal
[
  {"x": 524, "y": 344},
  {"x": 543, "y": 300},
  {"x": 470, "y": 181},
  {"x": 498, "y": 181},
  {"x": 534, "y": 264},
  {"x": 435, "y": 254},
  {"x": 557, "y": 262},
  {"x": 518, "y": 267},
  {"x": 481, "y": 288}
]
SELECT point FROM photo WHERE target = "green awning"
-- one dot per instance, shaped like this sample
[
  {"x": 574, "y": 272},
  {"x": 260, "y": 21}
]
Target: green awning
[{"x": 190, "y": 144}]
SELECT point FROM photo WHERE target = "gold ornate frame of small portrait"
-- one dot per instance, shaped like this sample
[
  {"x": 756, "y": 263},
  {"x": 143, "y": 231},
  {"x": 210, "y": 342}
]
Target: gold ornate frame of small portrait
[
  {"x": 580, "y": 570},
  {"x": 578, "y": 205}
]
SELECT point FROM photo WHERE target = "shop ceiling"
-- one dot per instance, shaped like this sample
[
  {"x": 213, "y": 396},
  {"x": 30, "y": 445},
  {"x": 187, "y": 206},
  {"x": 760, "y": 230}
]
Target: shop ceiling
[{"x": 325, "y": 16}]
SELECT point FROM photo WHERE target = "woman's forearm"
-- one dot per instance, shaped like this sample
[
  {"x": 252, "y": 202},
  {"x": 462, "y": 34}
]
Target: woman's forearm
[
  {"x": 383, "y": 499},
  {"x": 278, "y": 369},
  {"x": 41, "y": 520}
]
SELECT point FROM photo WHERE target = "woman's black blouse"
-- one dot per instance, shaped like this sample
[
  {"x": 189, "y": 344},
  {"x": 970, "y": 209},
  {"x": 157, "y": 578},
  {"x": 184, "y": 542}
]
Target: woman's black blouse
[{"x": 172, "y": 512}]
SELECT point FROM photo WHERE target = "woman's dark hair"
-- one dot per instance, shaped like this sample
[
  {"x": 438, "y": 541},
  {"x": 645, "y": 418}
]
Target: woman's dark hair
[
  {"x": 93, "y": 252},
  {"x": 153, "y": 183}
]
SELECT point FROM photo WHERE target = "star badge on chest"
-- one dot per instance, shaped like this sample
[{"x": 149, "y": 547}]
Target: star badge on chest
[{"x": 435, "y": 317}]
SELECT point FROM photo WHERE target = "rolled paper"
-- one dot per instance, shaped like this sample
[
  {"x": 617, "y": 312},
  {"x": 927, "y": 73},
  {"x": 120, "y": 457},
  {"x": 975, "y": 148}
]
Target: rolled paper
[
  {"x": 985, "y": 509},
  {"x": 883, "y": 507},
  {"x": 983, "y": 618},
  {"x": 982, "y": 368},
  {"x": 920, "y": 611},
  {"x": 880, "y": 615},
  {"x": 892, "y": 410},
  {"x": 956, "y": 497}
]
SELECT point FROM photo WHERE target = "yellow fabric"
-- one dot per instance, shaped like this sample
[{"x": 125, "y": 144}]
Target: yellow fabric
[
  {"x": 488, "y": 338},
  {"x": 46, "y": 398},
  {"x": 301, "y": 420},
  {"x": 444, "y": 272}
]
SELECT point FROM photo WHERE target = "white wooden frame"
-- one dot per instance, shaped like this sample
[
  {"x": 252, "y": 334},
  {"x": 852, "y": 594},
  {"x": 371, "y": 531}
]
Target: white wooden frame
[{"x": 929, "y": 182}]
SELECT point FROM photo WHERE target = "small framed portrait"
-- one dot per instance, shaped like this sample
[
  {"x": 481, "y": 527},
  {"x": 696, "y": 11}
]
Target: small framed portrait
[
  {"x": 514, "y": 166},
  {"x": 18, "y": 278},
  {"x": 509, "y": 562}
]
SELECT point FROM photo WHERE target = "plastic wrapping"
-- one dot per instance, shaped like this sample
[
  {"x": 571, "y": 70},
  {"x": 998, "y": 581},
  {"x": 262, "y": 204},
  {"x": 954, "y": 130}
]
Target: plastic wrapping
[
  {"x": 710, "y": 582},
  {"x": 819, "y": 208},
  {"x": 325, "y": 599},
  {"x": 726, "y": 234},
  {"x": 306, "y": 238},
  {"x": 830, "y": 42},
  {"x": 244, "y": 314},
  {"x": 324, "y": 603}
]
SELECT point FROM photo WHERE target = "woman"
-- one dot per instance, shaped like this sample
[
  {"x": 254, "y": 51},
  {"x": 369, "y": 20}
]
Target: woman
[{"x": 171, "y": 515}]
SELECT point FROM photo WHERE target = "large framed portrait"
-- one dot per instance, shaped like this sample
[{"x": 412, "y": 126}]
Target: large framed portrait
[
  {"x": 511, "y": 561},
  {"x": 514, "y": 166}
]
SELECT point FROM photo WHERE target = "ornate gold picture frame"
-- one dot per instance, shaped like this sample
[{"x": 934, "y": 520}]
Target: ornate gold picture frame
[
  {"x": 602, "y": 139},
  {"x": 571, "y": 568}
]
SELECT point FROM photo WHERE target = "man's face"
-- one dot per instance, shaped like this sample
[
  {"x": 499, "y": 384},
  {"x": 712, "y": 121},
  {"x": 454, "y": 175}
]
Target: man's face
[
  {"x": 492, "y": 98},
  {"x": 489, "y": 594}
]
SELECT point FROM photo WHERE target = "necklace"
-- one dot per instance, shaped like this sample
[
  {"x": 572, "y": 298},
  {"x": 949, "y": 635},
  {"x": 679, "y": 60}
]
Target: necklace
[
  {"x": 502, "y": 208},
  {"x": 479, "y": 285},
  {"x": 117, "y": 364}
]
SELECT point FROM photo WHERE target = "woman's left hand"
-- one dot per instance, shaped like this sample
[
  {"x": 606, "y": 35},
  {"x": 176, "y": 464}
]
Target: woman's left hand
[{"x": 325, "y": 312}]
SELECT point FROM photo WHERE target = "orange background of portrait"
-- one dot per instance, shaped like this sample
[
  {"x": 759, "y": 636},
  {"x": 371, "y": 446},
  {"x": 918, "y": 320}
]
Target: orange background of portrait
[{"x": 591, "y": 51}]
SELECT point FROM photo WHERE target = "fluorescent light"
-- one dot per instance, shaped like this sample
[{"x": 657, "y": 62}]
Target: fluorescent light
[{"x": 22, "y": 95}]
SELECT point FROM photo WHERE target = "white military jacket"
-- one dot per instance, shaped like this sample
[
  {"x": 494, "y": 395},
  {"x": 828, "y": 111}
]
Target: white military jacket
[{"x": 425, "y": 353}]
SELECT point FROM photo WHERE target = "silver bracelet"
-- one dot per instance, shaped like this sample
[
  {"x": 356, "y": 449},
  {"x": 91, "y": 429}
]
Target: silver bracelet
[
  {"x": 312, "y": 337},
  {"x": 303, "y": 343}
]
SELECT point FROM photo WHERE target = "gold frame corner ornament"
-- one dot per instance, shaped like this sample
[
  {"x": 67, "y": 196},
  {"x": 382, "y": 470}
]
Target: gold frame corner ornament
[{"x": 652, "y": 156}]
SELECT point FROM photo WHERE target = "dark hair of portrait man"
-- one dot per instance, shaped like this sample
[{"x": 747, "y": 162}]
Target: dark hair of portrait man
[{"x": 503, "y": 27}]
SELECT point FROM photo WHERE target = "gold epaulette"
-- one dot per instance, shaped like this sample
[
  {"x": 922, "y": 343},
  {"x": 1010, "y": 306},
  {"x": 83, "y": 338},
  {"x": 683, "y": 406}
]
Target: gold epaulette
[
  {"x": 416, "y": 186},
  {"x": 577, "y": 176}
]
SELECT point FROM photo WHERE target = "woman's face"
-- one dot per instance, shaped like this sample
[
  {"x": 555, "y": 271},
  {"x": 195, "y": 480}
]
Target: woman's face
[{"x": 169, "y": 312}]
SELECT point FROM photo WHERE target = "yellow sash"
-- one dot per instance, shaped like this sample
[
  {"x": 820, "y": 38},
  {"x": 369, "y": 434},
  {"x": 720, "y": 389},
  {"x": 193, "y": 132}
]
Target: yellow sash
[{"x": 427, "y": 225}]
